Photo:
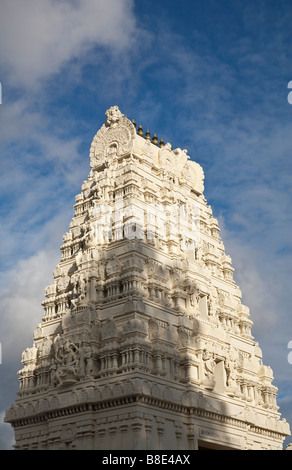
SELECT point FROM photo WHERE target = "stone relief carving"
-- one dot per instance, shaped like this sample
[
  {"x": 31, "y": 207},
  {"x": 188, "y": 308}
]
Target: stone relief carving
[
  {"x": 230, "y": 367},
  {"x": 71, "y": 361},
  {"x": 115, "y": 138},
  {"x": 209, "y": 368},
  {"x": 113, "y": 266},
  {"x": 67, "y": 365},
  {"x": 121, "y": 305}
]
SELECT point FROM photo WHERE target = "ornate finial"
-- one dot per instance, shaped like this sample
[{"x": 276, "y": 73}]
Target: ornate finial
[
  {"x": 133, "y": 122},
  {"x": 140, "y": 131},
  {"x": 147, "y": 135},
  {"x": 113, "y": 115},
  {"x": 155, "y": 140},
  {"x": 161, "y": 143}
]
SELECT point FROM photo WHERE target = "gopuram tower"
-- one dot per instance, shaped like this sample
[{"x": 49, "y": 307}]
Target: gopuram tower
[{"x": 144, "y": 342}]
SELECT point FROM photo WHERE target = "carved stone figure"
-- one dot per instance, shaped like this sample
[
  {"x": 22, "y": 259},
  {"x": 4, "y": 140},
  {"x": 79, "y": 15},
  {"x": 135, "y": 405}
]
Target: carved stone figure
[
  {"x": 230, "y": 367},
  {"x": 209, "y": 364},
  {"x": 113, "y": 115},
  {"x": 67, "y": 360}
]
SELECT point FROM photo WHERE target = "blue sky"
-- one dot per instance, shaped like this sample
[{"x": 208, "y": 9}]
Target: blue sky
[{"x": 207, "y": 76}]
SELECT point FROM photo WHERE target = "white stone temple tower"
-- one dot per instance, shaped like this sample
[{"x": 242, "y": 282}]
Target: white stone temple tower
[{"x": 144, "y": 342}]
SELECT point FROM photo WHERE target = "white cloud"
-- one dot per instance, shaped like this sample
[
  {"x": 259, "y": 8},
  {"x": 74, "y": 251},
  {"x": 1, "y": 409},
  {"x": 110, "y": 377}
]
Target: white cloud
[
  {"x": 42, "y": 167},
  {"x": 37, "y": 38},
  {"x": 22, "y": 289},
  {"x": 6, "y": 434},
  {"x": 21, "y": 302},
  {"x": 253, "y": 282}
]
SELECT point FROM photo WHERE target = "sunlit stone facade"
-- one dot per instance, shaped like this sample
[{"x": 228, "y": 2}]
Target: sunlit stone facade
[{"x": 144, "y": 342}]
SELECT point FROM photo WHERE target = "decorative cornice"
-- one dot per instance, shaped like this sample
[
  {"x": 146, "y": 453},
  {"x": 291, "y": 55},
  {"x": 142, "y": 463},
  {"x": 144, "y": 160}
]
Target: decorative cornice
[{"x": 151, "y": 401}]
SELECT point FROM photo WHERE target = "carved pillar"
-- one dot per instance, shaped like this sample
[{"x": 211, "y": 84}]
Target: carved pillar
[
  {"x": 178, "y": 435},
  {"x": 100, "y": 437},
  {"x": 112, "y": 435},
  {"x": 139, "y": 434},
  {"x": 148, "y": 429},
  {"x": 92, "y": 289},
  {"x": 160, "y": 432},
  {"x": 124, "y": 433}
]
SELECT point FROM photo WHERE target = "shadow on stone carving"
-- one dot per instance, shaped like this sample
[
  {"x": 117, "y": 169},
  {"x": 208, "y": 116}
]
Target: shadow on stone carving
[{"x": 144, "y": 342}]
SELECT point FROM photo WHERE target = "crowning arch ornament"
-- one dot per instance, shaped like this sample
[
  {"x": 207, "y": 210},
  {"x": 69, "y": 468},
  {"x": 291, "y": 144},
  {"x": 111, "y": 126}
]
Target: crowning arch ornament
[{"x": 115, "y": 138}]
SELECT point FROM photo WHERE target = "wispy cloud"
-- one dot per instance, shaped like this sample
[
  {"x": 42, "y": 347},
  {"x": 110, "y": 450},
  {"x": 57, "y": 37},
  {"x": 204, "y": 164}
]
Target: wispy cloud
[
  {"x": 21, "y": 312},
  {"x": 7, "y": 435},
  {"x": 38, "y": 38},
  {"x": 40, "y": 165},
  {"x": 21, "y": 299}
]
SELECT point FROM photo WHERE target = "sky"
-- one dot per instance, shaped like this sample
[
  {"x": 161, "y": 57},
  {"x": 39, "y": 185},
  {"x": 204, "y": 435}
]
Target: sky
[{"x": 211, "y": 77}]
